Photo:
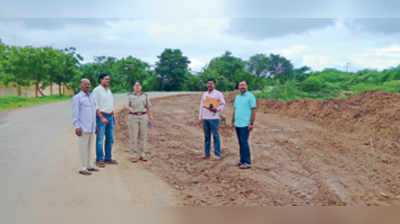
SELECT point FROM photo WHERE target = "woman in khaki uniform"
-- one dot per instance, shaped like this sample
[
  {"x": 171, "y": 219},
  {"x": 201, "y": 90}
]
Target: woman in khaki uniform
[{"x": 139, "y": 119}]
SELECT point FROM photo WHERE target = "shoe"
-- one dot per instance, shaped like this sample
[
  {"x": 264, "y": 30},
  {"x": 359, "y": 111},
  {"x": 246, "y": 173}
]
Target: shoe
[
  {"x": 100, "y": 164},
  {"x": 111, "y": 161},
  {"x": 217, "y": 158},
  {"x": 93, "y": 170},
  {"x": 245, "y": 166},
  {"x": 85, "y": 172},
  {"x": 134, "y": 160},
  {"x": 206, "y": 157},
  {"x": 239, "y": 164},
  {"x": 143, "y": 158}
]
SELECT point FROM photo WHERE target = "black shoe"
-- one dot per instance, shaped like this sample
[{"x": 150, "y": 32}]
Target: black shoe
[
  {"x": 93, "y": 170},
  {"x": 85, "y": 172}
]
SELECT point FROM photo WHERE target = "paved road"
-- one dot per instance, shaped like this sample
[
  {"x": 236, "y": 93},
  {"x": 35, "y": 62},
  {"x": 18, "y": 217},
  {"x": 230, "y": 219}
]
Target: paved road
[{"x": 38, "y": 164}]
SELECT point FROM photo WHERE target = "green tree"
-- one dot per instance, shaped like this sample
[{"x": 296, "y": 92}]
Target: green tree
[
  {"x": 259, "y": 65},
  {"x": 64, "y": 67},
  {"x": 171, "y": 69},
  {"x": 15, "y": 68},
  {"x": 279, "y": 66},
  {"x": 131, "y": 69}
]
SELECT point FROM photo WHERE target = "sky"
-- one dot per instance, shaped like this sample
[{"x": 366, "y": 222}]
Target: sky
[{"x": 315, "y": 33}]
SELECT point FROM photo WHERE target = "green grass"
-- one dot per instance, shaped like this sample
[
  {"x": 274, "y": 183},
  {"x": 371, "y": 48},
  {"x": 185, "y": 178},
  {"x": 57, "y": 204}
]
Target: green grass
[{"x": 14, "y": 102}]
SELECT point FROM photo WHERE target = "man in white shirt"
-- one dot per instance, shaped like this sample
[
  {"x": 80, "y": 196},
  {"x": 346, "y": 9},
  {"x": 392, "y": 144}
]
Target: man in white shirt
[
  {"x": 211, "y": 104},
  {"x": 84, "y": 121},
  {"x": 105, "y": 121}
]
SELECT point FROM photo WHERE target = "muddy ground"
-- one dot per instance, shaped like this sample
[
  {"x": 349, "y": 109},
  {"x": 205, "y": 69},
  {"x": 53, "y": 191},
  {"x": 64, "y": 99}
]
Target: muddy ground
[{"x": 305, "y": 152}]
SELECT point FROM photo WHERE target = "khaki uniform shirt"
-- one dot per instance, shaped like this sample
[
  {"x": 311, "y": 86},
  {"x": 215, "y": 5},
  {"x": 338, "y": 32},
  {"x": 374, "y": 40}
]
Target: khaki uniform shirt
[{"x": 139, "y": 103}]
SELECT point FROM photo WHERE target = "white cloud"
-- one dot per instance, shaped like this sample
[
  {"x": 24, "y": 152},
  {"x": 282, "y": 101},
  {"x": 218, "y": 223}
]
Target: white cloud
[{"x": 201, "y": 39}]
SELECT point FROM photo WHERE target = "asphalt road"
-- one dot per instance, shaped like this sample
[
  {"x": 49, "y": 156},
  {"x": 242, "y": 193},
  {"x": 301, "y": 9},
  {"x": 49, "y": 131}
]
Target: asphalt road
[{"x": 38, "y": 169}]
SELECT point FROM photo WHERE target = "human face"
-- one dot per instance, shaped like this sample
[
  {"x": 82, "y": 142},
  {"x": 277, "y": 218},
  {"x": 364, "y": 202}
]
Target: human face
[
  {"x": 105, "y": 81},
  {"x": 137, "y": 87},
  {"x": 210, "y": 85},
  {"x": 85, "y": 85},
  {"x": 243, "y": 87}
]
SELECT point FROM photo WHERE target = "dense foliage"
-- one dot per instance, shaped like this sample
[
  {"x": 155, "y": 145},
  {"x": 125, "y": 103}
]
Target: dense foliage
[{"x": 271, "y": 76}]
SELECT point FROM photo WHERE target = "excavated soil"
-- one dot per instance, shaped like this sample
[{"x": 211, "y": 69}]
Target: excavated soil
[{"x": 305, "y": 152}]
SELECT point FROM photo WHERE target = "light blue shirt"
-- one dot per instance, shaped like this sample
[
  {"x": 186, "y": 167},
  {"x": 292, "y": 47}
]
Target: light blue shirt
[
  {"x": 243, "y": 105},
  {"x": 84, "y": 112}
]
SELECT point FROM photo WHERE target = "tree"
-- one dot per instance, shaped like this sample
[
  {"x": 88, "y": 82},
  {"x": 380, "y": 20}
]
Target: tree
[
  {"x": 259, "y": 65},
  {"x": 131, "y": 69},
  {"x": 171, "y": 69},
  {"x": 3, "y": 52},
  {"x": 64, "y": 66},
  {"x": 279, "y": 65},
  {"x": 15, "y": 68},
  {"x": 228, "y": 71},
  {"x": 38, "y": 66},
  {"x": 227, "y": 65}
]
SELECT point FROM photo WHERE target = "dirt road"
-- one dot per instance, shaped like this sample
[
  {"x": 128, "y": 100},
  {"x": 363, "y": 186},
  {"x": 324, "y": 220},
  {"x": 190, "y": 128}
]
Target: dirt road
[
  {"x": 296, "y": 162},
  {"x": 40, "y": 184}
]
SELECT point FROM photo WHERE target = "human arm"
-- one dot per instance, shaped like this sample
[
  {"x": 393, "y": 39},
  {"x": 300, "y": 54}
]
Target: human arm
[{"x": 75, "y": 116}]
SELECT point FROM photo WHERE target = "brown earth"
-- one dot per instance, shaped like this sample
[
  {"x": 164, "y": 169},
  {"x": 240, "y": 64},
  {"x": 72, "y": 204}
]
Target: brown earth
[{"x": 305, "y": 152}]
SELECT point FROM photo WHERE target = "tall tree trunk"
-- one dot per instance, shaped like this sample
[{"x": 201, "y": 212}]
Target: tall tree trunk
[
  {"x": 19, "y": 92},
  {"x": 36, "y": 89},
  {"x": 51, "y": 89},
  {"x": 41, "y": 93},
  {"x": 64, "y": 90},
  {"x": 59, "y": 89}
]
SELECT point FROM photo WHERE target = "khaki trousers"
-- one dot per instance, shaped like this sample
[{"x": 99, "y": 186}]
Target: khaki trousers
[
  {"x": 138, "y": 134},
  {"x": 85, "y": 144}
]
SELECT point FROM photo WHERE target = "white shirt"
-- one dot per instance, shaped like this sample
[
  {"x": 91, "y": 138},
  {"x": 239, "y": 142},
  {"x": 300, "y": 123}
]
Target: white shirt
[
  {"x": 84, "y": 112},
  {"x": 104, "y": 99},
  {"x": 206, "y": 114}
]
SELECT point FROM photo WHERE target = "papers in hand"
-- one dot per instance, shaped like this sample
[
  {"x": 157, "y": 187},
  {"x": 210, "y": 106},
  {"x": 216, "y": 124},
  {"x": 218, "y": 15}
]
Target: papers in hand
[{"x": 209, "y": 100}]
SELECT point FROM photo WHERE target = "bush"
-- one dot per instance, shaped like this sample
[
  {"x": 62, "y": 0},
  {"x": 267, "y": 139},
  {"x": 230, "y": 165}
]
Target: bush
[{"x": 312, "y": 84}]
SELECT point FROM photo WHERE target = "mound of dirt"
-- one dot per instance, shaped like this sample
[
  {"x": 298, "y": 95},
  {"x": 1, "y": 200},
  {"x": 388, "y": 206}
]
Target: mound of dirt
[{"x": 374, "y": 115}]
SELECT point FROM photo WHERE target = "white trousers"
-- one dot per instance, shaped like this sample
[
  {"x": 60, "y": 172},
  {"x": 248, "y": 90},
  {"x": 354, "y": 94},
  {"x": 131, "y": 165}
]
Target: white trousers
[{"x": 85, "y": 144}]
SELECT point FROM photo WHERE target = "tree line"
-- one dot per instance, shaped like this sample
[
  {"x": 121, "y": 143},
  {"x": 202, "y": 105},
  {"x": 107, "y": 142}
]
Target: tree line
[{"x": 23, "y": 66}]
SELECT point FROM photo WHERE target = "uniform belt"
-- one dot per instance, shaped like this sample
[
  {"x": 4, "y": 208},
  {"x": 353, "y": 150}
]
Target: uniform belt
[
  {"x": 138, "y": 113},
  {"x": 107, "y": 114}
]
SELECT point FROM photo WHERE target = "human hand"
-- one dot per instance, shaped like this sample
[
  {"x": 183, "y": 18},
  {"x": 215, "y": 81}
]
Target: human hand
[
  {"x": 78, "y": 132},
  {"x": 251, "y": 127},
  {"x": 104, "y": 121}
]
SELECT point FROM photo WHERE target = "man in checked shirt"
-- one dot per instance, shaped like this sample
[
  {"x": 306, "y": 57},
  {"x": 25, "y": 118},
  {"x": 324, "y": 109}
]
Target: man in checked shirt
[{"x": 209, "y": 118}]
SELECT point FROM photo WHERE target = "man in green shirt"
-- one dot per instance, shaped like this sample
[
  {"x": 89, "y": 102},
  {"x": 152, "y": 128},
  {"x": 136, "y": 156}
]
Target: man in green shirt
[{"x": 244, "y": 114}]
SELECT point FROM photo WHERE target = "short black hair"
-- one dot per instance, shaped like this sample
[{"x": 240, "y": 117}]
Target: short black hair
[
  {"x": 212, "y": 80},
  {"x": 101, "y": 76},
  {"x": 135, "y": 81}
]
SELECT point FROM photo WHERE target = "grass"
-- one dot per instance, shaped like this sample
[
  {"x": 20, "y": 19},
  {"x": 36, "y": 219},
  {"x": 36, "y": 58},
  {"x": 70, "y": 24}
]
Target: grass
[{"x": 14, "y": 102}]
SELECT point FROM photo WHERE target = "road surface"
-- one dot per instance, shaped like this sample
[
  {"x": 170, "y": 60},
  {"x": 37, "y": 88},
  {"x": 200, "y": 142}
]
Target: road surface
[{"x": 40, "y": 184}]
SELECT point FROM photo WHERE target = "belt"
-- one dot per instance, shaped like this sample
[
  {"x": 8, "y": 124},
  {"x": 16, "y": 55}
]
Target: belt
[
  {"x": 107, "y": 114},
  {"x": 138, "y": 113}
]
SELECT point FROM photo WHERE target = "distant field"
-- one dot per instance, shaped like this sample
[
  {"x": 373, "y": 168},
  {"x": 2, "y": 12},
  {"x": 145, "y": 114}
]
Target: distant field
[{"x": 14, "y": 102}]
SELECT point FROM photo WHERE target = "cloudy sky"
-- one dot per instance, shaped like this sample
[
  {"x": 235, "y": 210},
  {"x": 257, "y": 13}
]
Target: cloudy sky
[{"x": 316, "y": 33}]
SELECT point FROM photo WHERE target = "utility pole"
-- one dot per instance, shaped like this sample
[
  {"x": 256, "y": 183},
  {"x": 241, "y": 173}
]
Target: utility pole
[{"x": 348, "y": 66}]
